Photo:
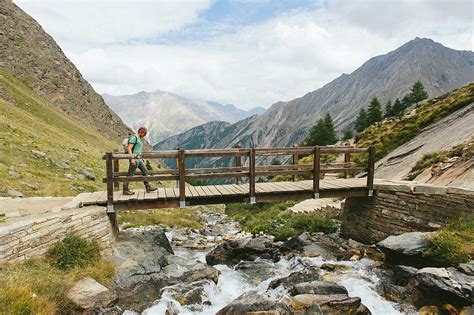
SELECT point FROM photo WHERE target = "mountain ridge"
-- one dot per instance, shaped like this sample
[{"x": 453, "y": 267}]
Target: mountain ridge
[
  {"x": 387, "y": 76},
  {"x": 166, "y": 114}
]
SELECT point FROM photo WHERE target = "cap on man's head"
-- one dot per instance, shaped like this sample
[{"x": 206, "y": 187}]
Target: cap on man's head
[{"x": 142, "y": 129}]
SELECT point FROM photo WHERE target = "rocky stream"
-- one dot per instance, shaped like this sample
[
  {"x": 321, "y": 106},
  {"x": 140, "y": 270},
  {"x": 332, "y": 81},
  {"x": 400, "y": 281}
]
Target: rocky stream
[{"x": 219, "y": 269}]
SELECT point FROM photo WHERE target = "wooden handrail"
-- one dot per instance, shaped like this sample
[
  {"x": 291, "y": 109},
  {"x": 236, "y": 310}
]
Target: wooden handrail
[{"x": 238, "y": 171}]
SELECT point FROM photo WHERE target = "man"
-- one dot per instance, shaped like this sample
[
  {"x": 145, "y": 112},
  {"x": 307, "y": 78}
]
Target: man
[{"x": 135, "y": 146}]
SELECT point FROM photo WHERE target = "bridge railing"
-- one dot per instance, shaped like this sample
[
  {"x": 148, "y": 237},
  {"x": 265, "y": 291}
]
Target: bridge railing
[{"x": 245, "y": 167}]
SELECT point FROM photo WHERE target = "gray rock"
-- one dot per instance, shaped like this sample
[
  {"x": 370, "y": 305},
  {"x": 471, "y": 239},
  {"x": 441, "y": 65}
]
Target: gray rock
[
  {"x": 88, "y": 294},
  {"x": 69, "y": 176},
  {"x": 87, "y": 174},
  {"x": 306, "y": 275},
  {"x": 318, "y": 287},
  {"x": 406, "y": 249},
  {"x": 14, "y": 194},
  {"x": 189, "y": 293},
  {"x": 467, "y": 268},
  {"x": 254, "y": 302},
  {"x": 14, "y": 173},
  {"x": 256, "y": 271},
  {"x": 63, "y": 165},
  {"x": 233, "y": 251},
  {"x": 40, "y": 154}
]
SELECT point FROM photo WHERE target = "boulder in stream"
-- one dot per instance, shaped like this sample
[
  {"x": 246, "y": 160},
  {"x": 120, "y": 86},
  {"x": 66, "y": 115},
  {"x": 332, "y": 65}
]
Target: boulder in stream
[
  {"x": 233, "y": 251},
  {"x": 308, "y": 274},
  {"x": 406, "y": 249},
  {"x": 255, "y": 303}
]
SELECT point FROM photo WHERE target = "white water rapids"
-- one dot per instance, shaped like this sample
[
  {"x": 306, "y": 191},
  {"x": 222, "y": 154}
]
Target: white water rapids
[{"x": 360, "y": 280}]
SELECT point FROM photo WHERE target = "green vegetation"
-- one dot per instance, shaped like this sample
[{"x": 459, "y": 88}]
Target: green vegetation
[
  {"x": 273, "y": 219},
  {"x": 36, "y": 286},
  {"x": 393, "y": 133},
  {"x": 453, "y": 244},
  {"x": 73, "y": 252},
  {"x": 323, "y": 133},
  {"x": 172, "y": 217},
  {"x": 374, "y": 112},
  {"x": 28, "y": 123}
]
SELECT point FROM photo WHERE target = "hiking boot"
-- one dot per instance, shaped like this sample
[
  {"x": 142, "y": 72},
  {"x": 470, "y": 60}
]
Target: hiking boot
[
  {"x": 150, "y": 189},
  {"x": 128, "y": 192}
]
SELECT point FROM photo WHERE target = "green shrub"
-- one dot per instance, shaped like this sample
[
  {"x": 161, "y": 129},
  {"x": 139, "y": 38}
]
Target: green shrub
[
  {"x": 446, "y": 249},
  {"x": 73, "y": 251},
  {"x": 313, "y": 223}
]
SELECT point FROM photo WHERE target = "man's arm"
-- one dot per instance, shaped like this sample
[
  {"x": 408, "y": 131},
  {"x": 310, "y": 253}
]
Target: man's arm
[{"x": 129, "y": 150}]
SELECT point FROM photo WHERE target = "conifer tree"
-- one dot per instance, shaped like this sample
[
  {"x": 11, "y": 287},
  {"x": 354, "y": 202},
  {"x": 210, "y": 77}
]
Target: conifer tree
[
  {"x": 388, "y": 109},
  {"x": 361, "y": 122},
  {"x": 330, "y": 130},
  {"x": 374, "y": 112},
  {"x": 418, "y": 93},
  {"x": 322, "y": 133},
  {"x": 397, "y": 107},
  {"x": 348, "y": 134}
]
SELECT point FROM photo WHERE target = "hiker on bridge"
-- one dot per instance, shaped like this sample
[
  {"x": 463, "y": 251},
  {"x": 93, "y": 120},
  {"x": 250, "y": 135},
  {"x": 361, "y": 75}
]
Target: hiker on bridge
[{"x": 135, "y": 146}]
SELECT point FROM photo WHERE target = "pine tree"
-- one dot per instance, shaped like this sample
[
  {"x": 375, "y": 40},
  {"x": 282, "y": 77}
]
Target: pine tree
[
  {"x": 407, "y": 101},
  {"x": 397, "y": 107},
  {"x": 388, "y": 109},
  {"x": 418, "y": 93},
  {"x": 374, "y": 112},
  {"x": 322, "y": 133},
  {"x": 330, "y": 130},
  {"x": 361, "y": 122},
  {"x": 348, "y": 134}
]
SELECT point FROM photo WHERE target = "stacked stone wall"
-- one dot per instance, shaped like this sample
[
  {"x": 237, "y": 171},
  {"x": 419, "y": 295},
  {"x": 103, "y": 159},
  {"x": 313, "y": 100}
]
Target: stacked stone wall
[
  {"x": 399, "y": 208},
  {"x": 32, "y": 237}
]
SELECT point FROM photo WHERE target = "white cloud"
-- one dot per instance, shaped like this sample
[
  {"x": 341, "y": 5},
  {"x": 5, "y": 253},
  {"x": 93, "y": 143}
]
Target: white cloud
[{"x": 279, "y": 59}]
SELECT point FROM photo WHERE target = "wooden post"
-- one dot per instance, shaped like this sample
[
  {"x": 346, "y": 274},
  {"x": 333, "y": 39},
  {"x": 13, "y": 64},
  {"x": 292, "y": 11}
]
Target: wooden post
[
  {"x": 238, "y": 163},
  {"x": 110, "y": 182},
  {"x": 116, "y": 170},
  {"x": 371, "y": 171},
  {"x": 295, "y": 161},
  {"x": 252, "y": 176},
  {"x": 182, "y": 182},
  {"x": 316, "y": 171},
  {"x": 347, "y": 159}
]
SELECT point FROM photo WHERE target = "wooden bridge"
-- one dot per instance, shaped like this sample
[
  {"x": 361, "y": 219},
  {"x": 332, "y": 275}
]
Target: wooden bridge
[{"x": 320, "y": 180}]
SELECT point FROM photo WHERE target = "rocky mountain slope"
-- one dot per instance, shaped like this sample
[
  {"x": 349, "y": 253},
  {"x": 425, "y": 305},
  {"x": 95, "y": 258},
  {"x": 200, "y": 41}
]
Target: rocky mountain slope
[
  {"x": 167, "y": 114},
  {"x": 30, "y": 54},
  {"x": 419, "y": 144},
  {"x": 387, "y": 76}
]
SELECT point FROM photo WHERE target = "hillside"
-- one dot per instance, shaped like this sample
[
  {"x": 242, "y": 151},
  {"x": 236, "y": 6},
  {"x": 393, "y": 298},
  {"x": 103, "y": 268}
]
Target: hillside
[
  {"x": 388, "y": 76},
  {"x": 44, "y": 152},
  {"x": 29, "y": 53},
  {"x": 422, "y": 133},
  {"x": 166, "y": 114}
]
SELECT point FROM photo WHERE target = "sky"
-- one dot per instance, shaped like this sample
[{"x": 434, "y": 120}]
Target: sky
[{"x": 244, "y": 52}]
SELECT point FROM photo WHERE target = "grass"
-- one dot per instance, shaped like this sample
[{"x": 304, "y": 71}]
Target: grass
[
  {"x": 172, "y": 217},
  {"x": 392, "y": 133},
  {"x": 464, "y": 151},
  {"x": 273, "y": 219},
  {"x": 452, "y": 245},
  {"x": 27, "y": 122},
  {"x": 37, "y": 286},
  {"x": 73, "y": 252}
]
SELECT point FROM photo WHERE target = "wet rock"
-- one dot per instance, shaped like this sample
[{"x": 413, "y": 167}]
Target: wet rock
[
  {"x": 306, "y": 275},
  {"x": 429, "y": 310},
  {"x": 319, "y": 288},
  {"x": 467, "y": 268},
  {"x": 14, "y": 194},
  {"x": 406, "y": 249},
  {"x": 436, "y": 285},
  {"x": 257, "y": 271},
  {"x": 294, "y": 244},
  {"x": 180, "y": 269},
  {"x": 233, "y": 251},
  {"x": 88, "y": 294},
  {"x": 187, "y": 293},
  {"x": 333, "y": 267},
  {"x": 467, "y": 310},
  {"x": 327, "y": 304},
  {"x": 253, "y": 302}
]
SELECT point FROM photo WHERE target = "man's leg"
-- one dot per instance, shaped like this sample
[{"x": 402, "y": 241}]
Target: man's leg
[
  {"x": 132, "y": 168},
  {"x": 144, "y": 171}
]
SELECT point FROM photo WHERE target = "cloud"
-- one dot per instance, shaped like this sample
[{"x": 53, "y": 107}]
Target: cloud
[{"x": 280, "y": 58}]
